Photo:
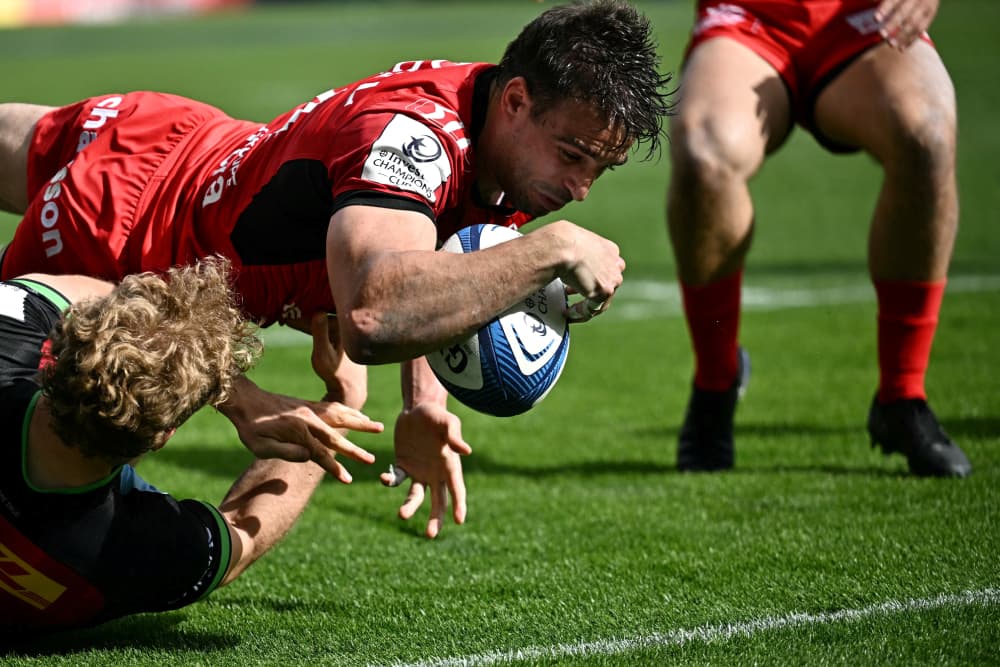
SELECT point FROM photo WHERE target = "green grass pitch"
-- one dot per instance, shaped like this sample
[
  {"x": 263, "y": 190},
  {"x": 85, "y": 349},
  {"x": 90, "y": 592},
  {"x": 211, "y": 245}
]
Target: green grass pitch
[{"x": 583, "y": 546}]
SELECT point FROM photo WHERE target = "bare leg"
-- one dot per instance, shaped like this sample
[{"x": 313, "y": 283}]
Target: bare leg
[
  {"x": 17, "y": 126},
  {"x": 733, "y": 111},
  {"x": 907, "y": 103}
]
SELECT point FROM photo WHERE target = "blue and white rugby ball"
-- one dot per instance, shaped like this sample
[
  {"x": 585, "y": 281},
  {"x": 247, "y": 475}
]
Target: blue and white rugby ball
[{"x": 510, "y": 364}]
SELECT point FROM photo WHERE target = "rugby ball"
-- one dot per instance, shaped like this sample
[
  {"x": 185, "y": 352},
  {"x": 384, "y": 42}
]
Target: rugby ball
[{"x": 512, "y": 363}]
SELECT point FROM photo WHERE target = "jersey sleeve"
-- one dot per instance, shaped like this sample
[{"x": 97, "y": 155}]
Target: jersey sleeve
[
  {"x": 28, "y": 312},
  {"x": 162, "y": 554},
  {"x": 398, "y": 161}
]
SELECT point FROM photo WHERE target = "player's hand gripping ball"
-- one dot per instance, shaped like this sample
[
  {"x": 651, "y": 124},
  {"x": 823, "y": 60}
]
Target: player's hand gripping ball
[{"x": 513, "y": 362}]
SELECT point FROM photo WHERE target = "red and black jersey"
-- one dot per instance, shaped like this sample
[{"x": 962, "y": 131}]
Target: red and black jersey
[
  {"x": 82, "y": 556},
  {"x": 144, "y": 181}
]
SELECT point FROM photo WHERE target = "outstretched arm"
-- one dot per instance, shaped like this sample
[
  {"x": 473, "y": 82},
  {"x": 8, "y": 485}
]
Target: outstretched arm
[
  {"x": 278, "y": 426},
  {"x": 428, "y": 444},
  {"x": 263, "y": 505},
  {"x": 267, "y": 500},
  {"x": 398, "y": 299}
]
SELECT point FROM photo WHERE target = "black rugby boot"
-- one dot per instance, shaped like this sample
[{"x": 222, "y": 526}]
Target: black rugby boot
[
  {"x": 910, "y": 428},
  {"x": 705, "y": 443}
]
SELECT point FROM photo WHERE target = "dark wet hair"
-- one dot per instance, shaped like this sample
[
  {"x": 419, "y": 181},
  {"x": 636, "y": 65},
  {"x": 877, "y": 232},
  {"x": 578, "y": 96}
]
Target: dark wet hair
[{"x": 601, "y": 53}]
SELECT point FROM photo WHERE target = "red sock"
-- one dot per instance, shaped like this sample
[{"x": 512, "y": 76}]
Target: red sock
[
  {"x": 713, "y": 319},
  {"x": 907, "y": 320}
]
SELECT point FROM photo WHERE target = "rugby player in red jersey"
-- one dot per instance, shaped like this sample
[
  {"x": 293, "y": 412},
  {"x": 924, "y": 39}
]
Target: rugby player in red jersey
[
  {"x": 338, "y": 206},
  {"x": 85, "y": 394},
  {"x": 860, "y": 75}
]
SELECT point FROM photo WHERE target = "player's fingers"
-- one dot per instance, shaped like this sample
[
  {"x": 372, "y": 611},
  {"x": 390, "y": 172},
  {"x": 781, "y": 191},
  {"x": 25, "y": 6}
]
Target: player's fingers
[
  {"x": 327, "y": 436},
  {"x": 438, "y": 505},
  {"x": 342, "y": 445},
  {"x": 455, "y": 440},
  {"x": 326, "y": 458},
  {"x": 456, "y": 485},
  {"x": 339, "y": 415},
  {"x": 894, "y": 23},
  {"x": 886, "y": 10},
  {"x": 585, "y": 310},
  {"x": 394, "y": 476},
  {"x": 414, "y": 499}
]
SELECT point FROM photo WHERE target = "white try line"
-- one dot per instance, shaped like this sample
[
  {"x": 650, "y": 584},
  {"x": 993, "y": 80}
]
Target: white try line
[
  {"x": 709, "y": 634},
  {"x": 648, "y": 299}
]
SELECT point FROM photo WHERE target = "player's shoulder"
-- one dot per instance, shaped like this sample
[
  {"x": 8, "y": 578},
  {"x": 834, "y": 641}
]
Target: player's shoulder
[
  {"x": 439, "y": 72},
  {"x": 432, "y": 90}
]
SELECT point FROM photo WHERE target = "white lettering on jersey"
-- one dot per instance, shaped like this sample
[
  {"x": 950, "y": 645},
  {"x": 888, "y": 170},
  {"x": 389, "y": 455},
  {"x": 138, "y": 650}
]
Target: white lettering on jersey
[
  {"x": 720, "y": 15},
  {"x": 225, "y": 174},
  {"x": 417, "y": 65},
  {"x": 104, "y": 110},
  {"x": 12, "y": 302},
  {"x": 49, "y": 215},
  {"x": 407, "y": 155}
]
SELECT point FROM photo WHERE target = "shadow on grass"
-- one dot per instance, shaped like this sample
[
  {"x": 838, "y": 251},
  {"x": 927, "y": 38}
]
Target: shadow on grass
[
  {"x": 759, "y": 430},
  {"x": 227, "y": 464},
  {"x": 972, "y": 427},
  {"x": 481, "y": 462},
  {"x": 144, "y": 632},
  {"x": 958, "y": 428}
]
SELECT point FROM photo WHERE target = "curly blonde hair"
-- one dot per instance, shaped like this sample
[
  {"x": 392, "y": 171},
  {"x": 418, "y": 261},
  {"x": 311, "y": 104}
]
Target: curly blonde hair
[{"x": 134, "y": 365}]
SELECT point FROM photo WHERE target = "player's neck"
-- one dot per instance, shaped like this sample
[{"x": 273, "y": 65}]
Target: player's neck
[
  {"x": 51, "y": 464},
  {"x": 488, "y": 189}
]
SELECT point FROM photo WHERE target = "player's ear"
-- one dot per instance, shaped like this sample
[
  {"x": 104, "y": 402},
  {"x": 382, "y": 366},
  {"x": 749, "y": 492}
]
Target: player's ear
[{"x": 515, "y": 98}]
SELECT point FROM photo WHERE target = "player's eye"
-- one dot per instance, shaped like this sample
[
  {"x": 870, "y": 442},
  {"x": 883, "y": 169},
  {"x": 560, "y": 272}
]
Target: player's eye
[{"x": 569, "y": 156}]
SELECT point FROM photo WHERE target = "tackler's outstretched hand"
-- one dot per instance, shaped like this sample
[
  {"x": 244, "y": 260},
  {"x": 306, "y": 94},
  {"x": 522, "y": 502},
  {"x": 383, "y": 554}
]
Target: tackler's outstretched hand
[
  {"x": 278, "y": 426},
  {"x": 429, "y": 446}
]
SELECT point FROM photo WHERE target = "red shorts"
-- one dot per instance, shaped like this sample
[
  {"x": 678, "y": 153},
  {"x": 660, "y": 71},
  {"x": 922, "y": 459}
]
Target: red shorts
[
  {"x": 809, "y": 42},
  {"x": 88, "y": 208}
]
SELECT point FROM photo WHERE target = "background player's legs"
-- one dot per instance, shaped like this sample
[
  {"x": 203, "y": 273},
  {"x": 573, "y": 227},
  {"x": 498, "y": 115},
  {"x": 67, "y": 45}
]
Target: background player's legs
[
  {"x": 900, "y": 107},
  {"x": 733, "y": 109},
  {"x": 17, "y": 125}
]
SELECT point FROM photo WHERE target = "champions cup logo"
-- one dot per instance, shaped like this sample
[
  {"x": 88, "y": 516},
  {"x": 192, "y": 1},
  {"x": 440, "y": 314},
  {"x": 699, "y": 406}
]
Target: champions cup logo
[
  {"x": 535, "y": 324},
  {"x": 407, "y": 155},
  {"x": 424, "y": 148}
]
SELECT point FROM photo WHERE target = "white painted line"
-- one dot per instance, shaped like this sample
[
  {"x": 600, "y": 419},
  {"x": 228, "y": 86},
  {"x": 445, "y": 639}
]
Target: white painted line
[
  {"x": 708, "y": 634},
  {"x": 648, "y": 299}
]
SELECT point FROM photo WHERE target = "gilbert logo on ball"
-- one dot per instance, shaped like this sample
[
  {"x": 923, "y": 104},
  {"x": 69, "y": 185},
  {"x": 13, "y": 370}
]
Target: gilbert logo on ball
[{"x": 513, "y": 362}]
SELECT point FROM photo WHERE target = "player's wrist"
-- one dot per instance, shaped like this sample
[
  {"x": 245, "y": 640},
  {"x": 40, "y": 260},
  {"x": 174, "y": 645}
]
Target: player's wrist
[{"x": 557, "y": 254}]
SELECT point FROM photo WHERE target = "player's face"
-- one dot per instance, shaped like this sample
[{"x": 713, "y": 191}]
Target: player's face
[{"x": 554, "y": 157}]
